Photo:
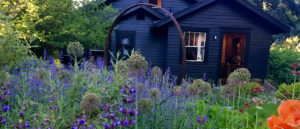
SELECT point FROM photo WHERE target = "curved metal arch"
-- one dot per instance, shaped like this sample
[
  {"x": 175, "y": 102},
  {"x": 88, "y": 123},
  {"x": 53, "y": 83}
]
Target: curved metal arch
[{"x": 183, "y": 63}]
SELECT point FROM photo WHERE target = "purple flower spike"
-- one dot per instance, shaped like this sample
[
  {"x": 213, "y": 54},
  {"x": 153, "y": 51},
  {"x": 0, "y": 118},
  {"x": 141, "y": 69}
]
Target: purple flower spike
[
  {"x": 3, "y": 120},
  {"x": 5, "y": 108}
]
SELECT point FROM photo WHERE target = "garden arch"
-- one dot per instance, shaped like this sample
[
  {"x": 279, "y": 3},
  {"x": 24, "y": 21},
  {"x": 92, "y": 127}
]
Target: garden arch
[{"x": 107, "y": 43}]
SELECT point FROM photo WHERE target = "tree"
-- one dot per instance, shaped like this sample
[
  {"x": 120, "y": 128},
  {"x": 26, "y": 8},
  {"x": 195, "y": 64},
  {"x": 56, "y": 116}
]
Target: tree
[{"x": 55, "y": 23}]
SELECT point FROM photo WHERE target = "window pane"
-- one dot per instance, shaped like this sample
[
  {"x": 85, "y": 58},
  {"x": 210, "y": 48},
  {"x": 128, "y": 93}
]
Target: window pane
[
  {"x": 192, "y": 39},
  {"x": 197, "y": 38},
  {"x": 202, "y": 52},
  {"x": 203, "y": 39},
  {"x": 191, "y": 53}
]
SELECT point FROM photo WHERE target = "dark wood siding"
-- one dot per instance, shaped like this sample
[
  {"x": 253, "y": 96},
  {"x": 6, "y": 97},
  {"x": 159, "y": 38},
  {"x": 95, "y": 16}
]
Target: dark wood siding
[
  {"x": 150, "y": 44},
  {"x": 171, "y": 5},
  {"x": 214, "y": 18}
]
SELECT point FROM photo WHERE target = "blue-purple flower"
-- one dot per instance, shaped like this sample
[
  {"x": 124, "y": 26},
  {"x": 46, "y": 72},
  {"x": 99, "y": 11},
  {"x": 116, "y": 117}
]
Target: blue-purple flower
[
  {"x": 26, "y": 125},
  {"x": 5, "y": 108},
  {"x": 3, "y": 120},
  {"x": 81, "y": 121},
  {"x": 201, "y": 121}
]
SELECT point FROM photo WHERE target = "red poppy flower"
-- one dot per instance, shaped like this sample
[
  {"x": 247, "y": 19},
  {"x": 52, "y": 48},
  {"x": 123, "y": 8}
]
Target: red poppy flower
[
  {"x": 295, "y": 65},
  {"x": 289, "y": 116}
]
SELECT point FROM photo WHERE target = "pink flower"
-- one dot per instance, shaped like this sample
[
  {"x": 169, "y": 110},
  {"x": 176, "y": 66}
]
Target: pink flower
[
  {"x": 260, "y": 103},
  {"x": 257, "y": 89},
  {"x": 295, "y": 65},
  {"x": 254, "y": 102},
  {"x": 247, "y": 105}
]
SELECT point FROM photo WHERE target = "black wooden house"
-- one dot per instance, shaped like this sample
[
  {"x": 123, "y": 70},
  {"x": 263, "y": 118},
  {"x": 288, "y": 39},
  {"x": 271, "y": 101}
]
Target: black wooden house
[{"x": 220, "y": 35}]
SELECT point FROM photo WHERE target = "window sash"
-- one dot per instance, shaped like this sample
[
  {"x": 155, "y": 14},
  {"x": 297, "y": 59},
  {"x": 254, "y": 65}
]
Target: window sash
[{"x": 195, "y": 40}]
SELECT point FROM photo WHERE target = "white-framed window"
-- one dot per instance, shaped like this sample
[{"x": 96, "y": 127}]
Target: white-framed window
[{"x": 195, "y": 46}]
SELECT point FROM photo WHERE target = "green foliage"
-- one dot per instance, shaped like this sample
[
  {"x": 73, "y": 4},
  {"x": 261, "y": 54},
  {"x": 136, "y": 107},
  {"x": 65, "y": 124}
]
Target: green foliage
[
  {"x": 238, "y": 77},
  {"x": 248, "y": 89},
  {"x": 279, "y": 69},
  {"x": 286, "y": 91},
  {"x": 137, "y": 64},
  {"x": 221, "y": 117},
  {"x": 55, "y": 23}
]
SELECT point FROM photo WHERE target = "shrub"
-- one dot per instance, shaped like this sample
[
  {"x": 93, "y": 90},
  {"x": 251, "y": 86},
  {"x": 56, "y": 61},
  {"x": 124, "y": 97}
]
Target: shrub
[
  {"x": 90, "y": 103},
  {"x": 145, "y": 105},
  {"x": 137, "y": 64},
  {"x": 238, "y": 77},
  {"x": 280, "y": 61},
  {"x": 75, "y": 49},
  {"x": 156, "y": 72},
  {"x": 253, "y": 89},
  {"x": 286, "y": 91},
  {"x": 199, "y": 87}
]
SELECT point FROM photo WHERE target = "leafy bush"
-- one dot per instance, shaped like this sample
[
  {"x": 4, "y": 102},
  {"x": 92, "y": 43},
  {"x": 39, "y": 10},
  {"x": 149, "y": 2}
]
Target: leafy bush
[
  {"x": 280, "y": 61},
  {"x": 286, "y": 91},
  {"x": 238, "y": 77},
  {"x": 199, "y": 87},
  {"x": 252, "y": 89}
]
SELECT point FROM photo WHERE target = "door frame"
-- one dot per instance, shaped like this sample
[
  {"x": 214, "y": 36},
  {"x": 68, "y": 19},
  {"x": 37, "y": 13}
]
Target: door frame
[{"x": 224, "y": 30}]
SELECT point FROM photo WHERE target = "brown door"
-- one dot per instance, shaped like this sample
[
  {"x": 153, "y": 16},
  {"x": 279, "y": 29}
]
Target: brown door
[{"x": 232, "y": 53}]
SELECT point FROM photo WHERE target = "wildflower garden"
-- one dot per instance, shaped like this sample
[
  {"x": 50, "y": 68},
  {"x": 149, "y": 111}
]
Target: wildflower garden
[
  {"x": 133, "y": 94},
  {"x": 39, "y": 91}
]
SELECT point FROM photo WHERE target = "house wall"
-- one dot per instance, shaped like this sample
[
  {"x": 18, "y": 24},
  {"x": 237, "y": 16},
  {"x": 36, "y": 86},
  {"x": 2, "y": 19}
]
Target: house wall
[
  {"x": 213, "y": 19},
  {"x": 152, "y": 45}
]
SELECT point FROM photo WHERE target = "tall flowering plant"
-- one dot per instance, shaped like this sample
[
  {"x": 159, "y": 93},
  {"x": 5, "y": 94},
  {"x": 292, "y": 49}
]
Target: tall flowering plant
[{"x": 295, "y": 73}]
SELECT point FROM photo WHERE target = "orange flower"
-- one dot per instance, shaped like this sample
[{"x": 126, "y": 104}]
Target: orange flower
[{"x": 289, "y": 116}]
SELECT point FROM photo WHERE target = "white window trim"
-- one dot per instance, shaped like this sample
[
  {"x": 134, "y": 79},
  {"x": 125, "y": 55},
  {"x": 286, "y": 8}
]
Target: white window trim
[{"x": 199, "y": 47}]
